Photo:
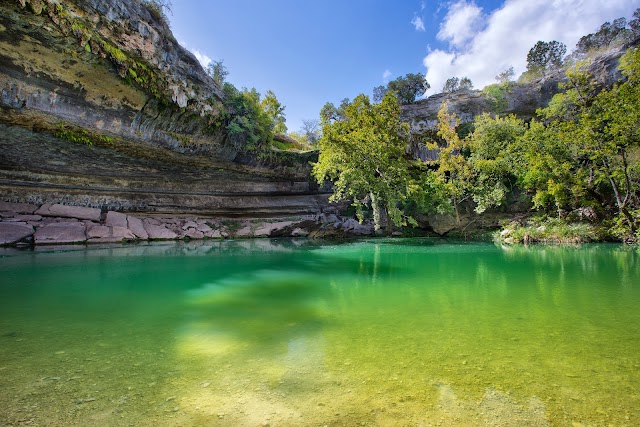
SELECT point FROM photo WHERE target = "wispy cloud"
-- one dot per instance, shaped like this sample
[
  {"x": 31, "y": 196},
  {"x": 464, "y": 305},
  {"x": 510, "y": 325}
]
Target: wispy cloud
[
  {"x": 482, "y": 45},
  {"x": 203, "y": 59},
  {"x": 386, "y": 76},
  {"x": 418, "y": 23}
]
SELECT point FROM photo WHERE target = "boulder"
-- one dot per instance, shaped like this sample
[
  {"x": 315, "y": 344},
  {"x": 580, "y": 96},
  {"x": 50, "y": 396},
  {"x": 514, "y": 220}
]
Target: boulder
[
  {"x": 65, "y": 211},
  {"x": 21, "y": 208},
  {"x": 352, "y": 226},
  {"x": 14, "y": 232},
  {"x": 159, "y": 232},
  {"x": 137, "y": 227},
  {"x": 63, "y": 232},
  {"x": 116, "y": 219}
]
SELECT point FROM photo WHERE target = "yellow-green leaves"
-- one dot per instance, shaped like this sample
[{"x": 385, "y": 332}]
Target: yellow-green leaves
[{"x": 363, "y": 154}]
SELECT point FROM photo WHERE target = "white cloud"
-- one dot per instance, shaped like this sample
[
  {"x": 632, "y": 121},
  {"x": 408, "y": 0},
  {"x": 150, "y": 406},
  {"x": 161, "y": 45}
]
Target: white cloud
[
  {"x": 203, "y": 59},
  {"x": 461, "y": 24},
  {"x": 386, "y": 76},
  {"x": 503, "y": 38},
  {"x": 418, "y": 23}
]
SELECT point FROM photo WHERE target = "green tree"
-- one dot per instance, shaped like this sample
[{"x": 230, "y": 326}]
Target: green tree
[
  {"x": 545, "y": 166},
  {"x": 451, "y": 85},
  {"x": 454, "y": 84},
  {"x": 218, "y": 72},
  {"x": 407, "y": 88},
  {"x": 506, "y": 75},
  {"x": 311, "y": 130},
  {"x": 275, "y": 111},
  {"x": 454, "y": 171},
  {"x": 545, "y": 56},
  {"x": 587, "y": 152},
  {"x": 465, "y": 84},
  {"x": 492, "y": 145},
  {"x": 330, "y": 112},
  {"x": 249, "y": 128},
  {"x": 608, "y": 35},
  {"x": 363, "y": 155}
]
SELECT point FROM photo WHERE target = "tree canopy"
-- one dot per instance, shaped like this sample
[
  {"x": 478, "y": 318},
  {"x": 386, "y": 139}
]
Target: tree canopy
[
  {"x": 407, "y": 88},
  {"x": 455, "y": 84},
  {"x": 363, "y": 155},
  {"x": 545, "y": 56}
]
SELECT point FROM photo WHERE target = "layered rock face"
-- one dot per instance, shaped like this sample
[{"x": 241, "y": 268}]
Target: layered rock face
[{"x": 101, "y": 107}]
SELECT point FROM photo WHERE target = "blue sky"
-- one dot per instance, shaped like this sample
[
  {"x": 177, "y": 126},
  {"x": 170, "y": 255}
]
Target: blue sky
[{"x": 311, "y": 52}]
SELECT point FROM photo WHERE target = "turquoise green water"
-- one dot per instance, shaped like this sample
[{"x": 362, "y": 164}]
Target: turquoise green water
[{"x": 285, "y": 333}]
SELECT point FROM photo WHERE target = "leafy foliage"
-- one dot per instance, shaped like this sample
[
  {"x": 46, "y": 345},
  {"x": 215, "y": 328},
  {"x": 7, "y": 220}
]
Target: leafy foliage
[
  {"x": 545, "y": 56},
  {"x": 454, "y": 84},
  {"x": 506, "y": 75},
  {"x": 608, "y": 35},
  {"x": 496, "y": 94},
  {"x": 587, "y": 152},
  {"x": 363, "y": 154},
  {"x": 406, "y": 88},
  {"x": 330, "y": 112},
  {"x": 275, "y": 110},
  {"x": 218, "y": 72},
  {"x": 248, "y": 126}
]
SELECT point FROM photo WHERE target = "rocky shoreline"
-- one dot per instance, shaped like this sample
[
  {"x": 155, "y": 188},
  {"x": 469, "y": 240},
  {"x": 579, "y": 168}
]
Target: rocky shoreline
[{"x": 29, "y": 224}]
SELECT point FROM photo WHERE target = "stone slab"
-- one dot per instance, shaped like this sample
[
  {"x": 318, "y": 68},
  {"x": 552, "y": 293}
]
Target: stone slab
[
  {"x": 21, "y": 208},
  {"x": 159, "y": 232},
  {"x": 14, "y": 232},
  {"x": 116, "y": 219},
  {"x": 137, "y": 227},
  {"x": 65, "y": 211},
  {"x": 62, "y": 232}
]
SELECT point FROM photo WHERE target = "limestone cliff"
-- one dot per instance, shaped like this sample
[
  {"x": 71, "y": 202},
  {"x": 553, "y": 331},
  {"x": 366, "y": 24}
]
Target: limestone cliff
[
  {"x": 102, "y": 107},
  {"x": 521, "y": 99}
]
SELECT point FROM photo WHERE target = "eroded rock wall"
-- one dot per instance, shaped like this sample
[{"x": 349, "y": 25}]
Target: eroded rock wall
[{"x": 101, "y": 107}]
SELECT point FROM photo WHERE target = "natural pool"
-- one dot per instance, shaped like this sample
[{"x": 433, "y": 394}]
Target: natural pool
[{"x": 296, "y": 333}]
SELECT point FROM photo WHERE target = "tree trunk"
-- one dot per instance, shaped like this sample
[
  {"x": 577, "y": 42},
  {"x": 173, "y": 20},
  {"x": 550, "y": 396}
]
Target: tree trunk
[{"x": 375, "y": 204}]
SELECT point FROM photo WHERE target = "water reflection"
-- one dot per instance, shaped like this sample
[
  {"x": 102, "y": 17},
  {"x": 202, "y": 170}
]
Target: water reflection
[{"x": 292, "y": 332}]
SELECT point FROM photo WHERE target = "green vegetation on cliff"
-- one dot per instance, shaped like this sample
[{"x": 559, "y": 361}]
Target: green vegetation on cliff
[{"x": 577, "y": 161}]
